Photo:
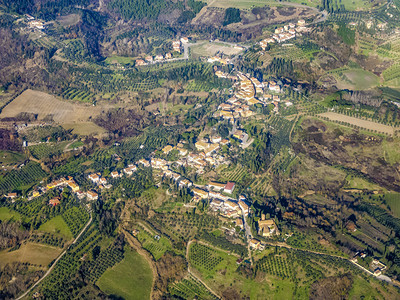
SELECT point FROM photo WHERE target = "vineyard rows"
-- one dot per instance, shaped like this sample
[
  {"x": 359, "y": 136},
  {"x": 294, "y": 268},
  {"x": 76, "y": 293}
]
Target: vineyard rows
[
  {"x": 44, "y": 150},
  {"x": 59, "y": 283},
  {"x": 49, "y": 239},
  {"x": 276, "y": 265},
  {"x": 204, "y": 257},
  {"x": 76, "y": 94},
  {"x": 156, "y": 247},
  {"x": 75, "y": 218},
  {"x": 16, "y": 179},
  {"x": 236, "y": 174},
  {"x": 191, "y": 288},
  {"x": 106, "y": 259}
]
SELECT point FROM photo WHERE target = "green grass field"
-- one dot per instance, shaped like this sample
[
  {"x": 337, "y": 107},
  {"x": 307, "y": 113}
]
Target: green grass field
[
  {"x": 11, "y": 157},
  {"x": 354, "y": 182},
  {"x": 7, "y": 214},
  {"x": 393, "y": 200},
  {"x": 119, "y": 59},
  {"x": 358, "y": 79},
  {"x": 57, "y": 226},
  {"x": 129, "y": 279}
]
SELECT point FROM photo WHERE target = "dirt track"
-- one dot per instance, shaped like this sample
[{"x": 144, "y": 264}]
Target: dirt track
[{"x": 136, "y": 245}]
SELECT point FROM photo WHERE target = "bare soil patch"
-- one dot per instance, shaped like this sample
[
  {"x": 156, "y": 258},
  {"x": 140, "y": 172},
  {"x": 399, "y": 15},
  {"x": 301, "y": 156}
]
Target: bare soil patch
[
  {"x": 210, "y": 49},
  {"x": 47, "y": 107},
  {"x": 69, "y": 20},
  {"x": 362, "y": 123}
]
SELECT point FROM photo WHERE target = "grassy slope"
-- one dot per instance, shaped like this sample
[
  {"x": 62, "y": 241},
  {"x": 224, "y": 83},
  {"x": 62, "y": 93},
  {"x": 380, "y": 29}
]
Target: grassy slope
[
  {"x": 6, "y": 214},
  {"x": 57, "y": 226},
  {"x": 33, "y": 253},
  {"x": 129, "y": 279}
]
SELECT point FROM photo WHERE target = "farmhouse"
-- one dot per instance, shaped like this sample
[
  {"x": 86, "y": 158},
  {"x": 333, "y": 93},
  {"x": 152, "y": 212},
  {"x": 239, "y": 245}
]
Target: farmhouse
[
  {"x": 11, "y": 195},
  {"x": 94, "y": 177},
  {"x": 54, "y": 201},
  {"x": 229, "y": 187},
  {"x": 92, "y": 195},
  {"x": 201, "y": 146},
  {"x": 115, "y": 174},
  {"x": 167, "y": 149},
  {"x": 239, "y": 223},
  {"x": 267, "y": 228},
  {"x": 216, "y": 204},
  {"x": 243, "y": 205},
  {"x": 185, "y": 183},
  {"x": 73, "y": 185},
  {"x": 199, "y": 192},
  {"x": 216, "y": 186},
  {"x": 144, "y": 162},
  {"x": 254, "y": 244}
]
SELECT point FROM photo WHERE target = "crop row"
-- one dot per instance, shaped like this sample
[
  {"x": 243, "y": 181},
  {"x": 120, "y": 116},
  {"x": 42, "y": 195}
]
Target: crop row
[{"x": 204, "y": 257}]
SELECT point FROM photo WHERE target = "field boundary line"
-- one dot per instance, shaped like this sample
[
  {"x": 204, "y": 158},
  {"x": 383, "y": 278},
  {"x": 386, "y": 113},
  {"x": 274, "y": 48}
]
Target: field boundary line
[{"x": 55, "y": 262}]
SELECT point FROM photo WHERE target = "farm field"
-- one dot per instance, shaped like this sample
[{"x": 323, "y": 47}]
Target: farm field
[
  {"x": 130, "y": 279},
  {"x": 57, "y": 226},
  {"x": 191, "y": 288},
  {"x": 354, "y": 182},
  {"x": 246, "y": 4},
  {"x": 393, "y": 200},
  {"x": 7, "y": 214},
  {"x": 156, "y": 247},
  {"x": 44, "y": 105},
  {"x": 210, "y": 49},
  {"x": 11, "y": 157},
  {"x": 119, "y": 59},
  {"x": 358, "y": 79},
  {"x": 359, "y": 122},
  {"x": 32, "y": 253},
  {"x": 84, "y": 128},
  {"x": 219, "y": 270}
]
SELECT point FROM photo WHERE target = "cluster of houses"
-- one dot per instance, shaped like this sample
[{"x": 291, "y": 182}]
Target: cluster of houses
[
  {"x": 70, "y": 183},
  {"x": 285, "y": 33},
  {"x": 34, "y": 24},
  {"x": 207, "y": 155},
  {"x": 149, "y": 59},
  {"x": 376, "y": 267},
  {"x": 249, "y": 91},
  {"x": 222, "y": 61}
]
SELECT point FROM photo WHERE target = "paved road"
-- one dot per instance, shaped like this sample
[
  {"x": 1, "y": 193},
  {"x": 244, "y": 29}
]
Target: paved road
[{"x": 55, "y": 262}]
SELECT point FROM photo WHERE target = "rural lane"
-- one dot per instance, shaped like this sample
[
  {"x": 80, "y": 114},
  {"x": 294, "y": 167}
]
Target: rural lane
[
  {"x": 194, "y": 275},
  {"x": 132, "y": 241},
  {"x": 55, "y": 262}
]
